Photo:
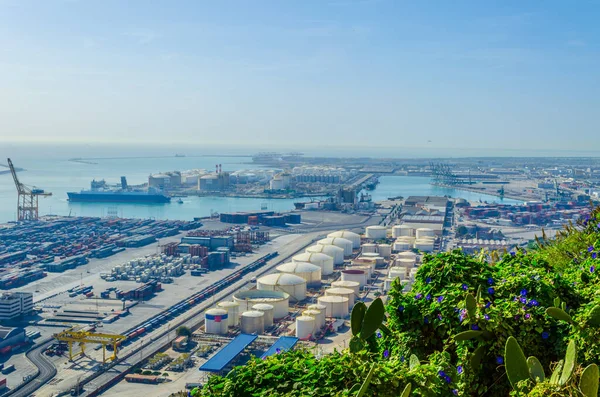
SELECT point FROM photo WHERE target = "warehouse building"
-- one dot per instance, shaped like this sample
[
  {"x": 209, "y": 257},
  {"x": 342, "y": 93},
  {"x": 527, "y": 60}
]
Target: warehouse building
[
  {"x": 11, "y": 336},
  {"x": 15, "y": 304}
]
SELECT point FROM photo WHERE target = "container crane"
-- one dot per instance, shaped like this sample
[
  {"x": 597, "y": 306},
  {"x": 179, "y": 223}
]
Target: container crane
[
  {"x": 82, "y": 338},
  {"x": 27, "y": 202}
]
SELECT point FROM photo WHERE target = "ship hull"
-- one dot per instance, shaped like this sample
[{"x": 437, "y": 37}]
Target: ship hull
[{"x": 118, "y": 198}]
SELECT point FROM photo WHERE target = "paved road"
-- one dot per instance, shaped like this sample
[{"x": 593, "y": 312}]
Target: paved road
[{"x": 46, "y": 371}]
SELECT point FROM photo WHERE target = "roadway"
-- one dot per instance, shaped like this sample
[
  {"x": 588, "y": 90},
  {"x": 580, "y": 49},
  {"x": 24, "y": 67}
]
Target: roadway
[{"x": 46, "y": 371}]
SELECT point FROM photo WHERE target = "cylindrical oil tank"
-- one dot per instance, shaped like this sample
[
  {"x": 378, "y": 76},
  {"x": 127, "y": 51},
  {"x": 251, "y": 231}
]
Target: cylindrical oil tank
[
  {"x": 334, "y": 252},
  {"x": 387, "y": 284},
  {"x": 342, "y": 243},
  {"x": 311, "y": 273},
  {"x": 215, "y": 321},
  {"x": 424, "y": 232},
  {"x": 368, "y": 268},
  {"x": 369, "y": 248},
  {"x": 384, "y": 250},
  {"x": 402, "y": 230},
  {"x": 407, "y": 255},
  {"x": 358, "y": 275},
  {"x": 376, "y": 232},
  {"x": 318, "y": 315},
  {"x": 233, "y": 312},
  {"x": 397, "y": 272},
  {"x": 379, "y": 260},
  {"x": 353, "y": 285},
  {"x": 305, "y": 326},
  {"x": 325, "y": 262},
  {"x": 268, "y": 310},
  {"x": 348, "y": 235},
  {"x": 402, "y": 245},
  {"x": 335, "y": 306},
  {"x": 290, "y": 283},
  {"x": 252, "y": 322},
  {"x": 279, "y": 300},
  {"x": 424, "y": 245},
  {"x": 405, "y": 262},
  {"x": 343, "y": 292}
]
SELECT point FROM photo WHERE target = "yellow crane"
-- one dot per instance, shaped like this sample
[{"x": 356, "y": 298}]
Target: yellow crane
[
  {"x": 27, "y": 201},
  {"x": 82, "y": 337}
]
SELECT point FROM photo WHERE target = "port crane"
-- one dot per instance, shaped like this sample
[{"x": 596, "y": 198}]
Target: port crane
[
  {"x": 83, "y": 337},
  {"x": 27, "y": 201}
]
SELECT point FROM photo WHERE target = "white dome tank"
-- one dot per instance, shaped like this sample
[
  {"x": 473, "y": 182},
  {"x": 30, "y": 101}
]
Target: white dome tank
[
  {"x": 397, "y": 272},
  {"x": 325, "y": 262},
  {"x": 384, "y": 250},
  {"x": 215, "y": 321},
  {"x": 318, "y": 315},
  {"x": 407, "y": 254},
  {"x": 342, "y": 243},
  {"x": 379, "y": 260},
  {"x": 424, "y": 245},
  {"x": 290, "y": 283},
  {"x": 309, "y": 272},
  {"x": 233, "y": 312},
  {"x": 334, "y": 252},
  {"x": 279, "y": 300},
  {"x": 387, "y": 284},
  {"x": 252, "y": 322},
  {"x": 402, "y": 230},
  {"x": 343, "y": 292},
  {"x": 348, "y": 235},
  {"x": 376, "y": 232},
  {"x": 406, "y": 262},
  {"x": 268, "y": 310},
  {"x": 368, "y": 268},
  {"x": 305, "y": 326},
  {"x": 335, "y": 306},
  {"x": 353, "y": 285},
  {"x": 424, "y": 232},
  {"x": 356, "y": 275},
  {"x": 402, "y": 245},
  {"x": 369, "y": 248}
]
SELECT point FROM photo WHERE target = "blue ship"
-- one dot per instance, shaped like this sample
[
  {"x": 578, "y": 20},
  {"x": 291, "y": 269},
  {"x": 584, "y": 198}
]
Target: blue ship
[{"x": 100, "y": 194}]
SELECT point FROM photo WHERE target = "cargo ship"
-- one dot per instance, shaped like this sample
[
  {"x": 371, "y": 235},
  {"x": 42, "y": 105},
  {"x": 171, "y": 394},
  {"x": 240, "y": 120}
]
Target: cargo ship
[{"x": 99, "y": 193}]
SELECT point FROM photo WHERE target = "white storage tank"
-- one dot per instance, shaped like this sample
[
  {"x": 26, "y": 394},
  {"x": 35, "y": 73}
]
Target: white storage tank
[
  {"x": 424, "y": 245},
  {"x": 335, "y": 306},
  {"x": 367, "y": 268},
  {"x": 357, "y": 275},
  {"x": 215, "y": 321},
  {"x": 325, "y": 262},
  {"x": 397, "y": 272},
  {"x": 334, "y": 252},
  {"x": 376, "y": 232},
  {"x": 353, "y": 285},
  {"x": 424, "y": 232},
  {"x": 379, "y": 260},
  {"x": 384, "y": 250},
  {"x": 252, "y": 322},
  {"x": 407, "y": 255},
  {"x": 289, "y": 283},
  {"x": 348, "y": 235},
  {"x": 402, "y": 230},
  {"x": 309, "y": 272},
  {"x": 305, "y": 326},
  {"x": 369, "y": 248},
  {"x": 233, "y": 312},
  {"x": 279, "y": 300},
  {"x": 402, "y": 245},
  {"x": 318, "y": 315},
  {"x": 405, "y": 262},
  {"x": 343, "y": 292},
  {"x": 342, "y": 243},
  {"x": 268, "y": 311}
]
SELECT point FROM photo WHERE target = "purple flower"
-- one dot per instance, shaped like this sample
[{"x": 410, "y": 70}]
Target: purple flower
[
  {"x": 517, "y": 317},
  {"x": 426, "y": 320},
  {"x": 402, "y": 359},
  {"x": 428, "y": 297},
  {"x": 592, "y": 269},
  {"x": 378, "y": 334},
  {"x": 512, "y": 253},
  {"x": 455, "y": 392},
  {"x": 427, "y": 280},
  {"x": 465, "y": 287},
  {"x": 523, "y": 292},
  {"x": 418, "y": 296},
  {"x": 490, "y": 291},
  {"x": 590, "y": 248},
  {"x": 598, "y": 225},
  {"x": 440, "y": 298},
  {"x": 448, "y": 379},
  {"x": 523, "y": 301},
  {"x": 459, "y": 369},
  {"x": 527, "y": 316},
  {"x": 594, "y": 255},
  {"x": 545, "y": 335},
  {"x": 439, "y": 316},
  {"x": 475, "y": 327},
  {"x": 278, "y": 350},
  {"x": 499, "y": 360},
  {"x": 488, "y": 304},
  {"x": 533, "y": 302},
  {"x": 487, "y": 317},
  {"x": 441, "y": 374},
  {"x": 386, "y": 353},
  {"x": 490, "y": 281},
  {"x": 400, "y": 309}
]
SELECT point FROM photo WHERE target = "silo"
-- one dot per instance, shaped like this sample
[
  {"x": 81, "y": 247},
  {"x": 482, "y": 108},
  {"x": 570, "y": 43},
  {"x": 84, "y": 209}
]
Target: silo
[
  {"x": 268, "y": 310},
  {"x": 402, "y": 245},
  {"x": 387, "y": 284},
  {"x": 290, "y": 283},
  {"x": 334, "y": 252},
  {"x": 233, "y": 312},
  {"x": 402, "y": 230},
  {"x": 342, "y": 243},
  {"x": 317, "y": 306},
  {"x": 379, "y": 260},
  {"x": 325, "y": 262},
  {"x": 279, "y": 300},
  {"x": 318, "y": 315},
  {"x": 368, "y": 268},
  {"x": 369, "y": 248},
  {"x": 343, "y": 292},
  {"x": 215, "y": 321},
  {"x": 397, "y": 272},
  {"x": 252, "y": 322},
  {"x": 376, "y": 232},
  {"x": 348, "y": 235},
  {"x": 405, "y": 262},
  {"x": 424, "y": 245},
  {"x": 424, "y": 232},
  {"x": 309, "y": 272},
  {"x": 384, "y": 250},
  {"x": 353, "y": 285},
  {"x": 356, "y": 275},
  {"x": 407, "y": 255},
  {"x": 305, "y": 327},
  {"x": 335, "y": 306}
]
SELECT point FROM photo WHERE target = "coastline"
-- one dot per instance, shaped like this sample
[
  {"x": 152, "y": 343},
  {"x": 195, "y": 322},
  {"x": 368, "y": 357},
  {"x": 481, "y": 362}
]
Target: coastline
[{"x": 489, "y": 193}]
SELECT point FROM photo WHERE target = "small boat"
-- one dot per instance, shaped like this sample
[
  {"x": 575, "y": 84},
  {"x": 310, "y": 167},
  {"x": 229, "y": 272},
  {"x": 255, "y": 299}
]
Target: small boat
[{"x": 180, "y": 201}]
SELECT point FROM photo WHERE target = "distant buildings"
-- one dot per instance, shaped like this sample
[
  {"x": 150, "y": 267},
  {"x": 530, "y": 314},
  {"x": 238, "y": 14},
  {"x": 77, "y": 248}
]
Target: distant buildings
[{"x": 15, "y": 304}]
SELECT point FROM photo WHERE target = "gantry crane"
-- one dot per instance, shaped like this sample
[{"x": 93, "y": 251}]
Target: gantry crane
[
  {"x": 82, "y": 337},
  {"x": 27, "y": 201}
]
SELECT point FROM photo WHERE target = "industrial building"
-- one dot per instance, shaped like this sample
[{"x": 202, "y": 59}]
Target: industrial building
[
  {"x": 10, "y": 336},
  {"x": 165, "y": 181},
  {"x": 15, "y": 304},
  {"x": 215, "y": 182}
]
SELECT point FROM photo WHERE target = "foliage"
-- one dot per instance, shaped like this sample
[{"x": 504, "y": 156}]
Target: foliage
[{"x": 184, "y": 331}]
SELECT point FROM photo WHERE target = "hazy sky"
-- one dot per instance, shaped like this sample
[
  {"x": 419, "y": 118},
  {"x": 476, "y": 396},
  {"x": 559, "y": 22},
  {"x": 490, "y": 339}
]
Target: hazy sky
[{"x": 476, "y": 74}]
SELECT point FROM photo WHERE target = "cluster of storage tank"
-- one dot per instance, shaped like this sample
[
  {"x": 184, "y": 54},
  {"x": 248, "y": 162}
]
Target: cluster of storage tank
[
  {"x": 160, "y": 267},
  {"x": 337, "y": 245},
  {"x": 404, "y": 268},
  {"x": 407, "y": 238},
  {"x": 253, "y": 319}
]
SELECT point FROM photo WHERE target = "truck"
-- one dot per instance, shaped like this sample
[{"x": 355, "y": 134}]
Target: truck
[{"x": 8, "y": 369}]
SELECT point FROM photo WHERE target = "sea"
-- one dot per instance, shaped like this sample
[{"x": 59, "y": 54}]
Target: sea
[{"x": 48, "y": 167}]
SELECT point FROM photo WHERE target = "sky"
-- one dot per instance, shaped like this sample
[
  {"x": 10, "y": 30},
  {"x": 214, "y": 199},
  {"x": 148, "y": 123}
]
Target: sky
[{"x": 506, "y": 74}]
